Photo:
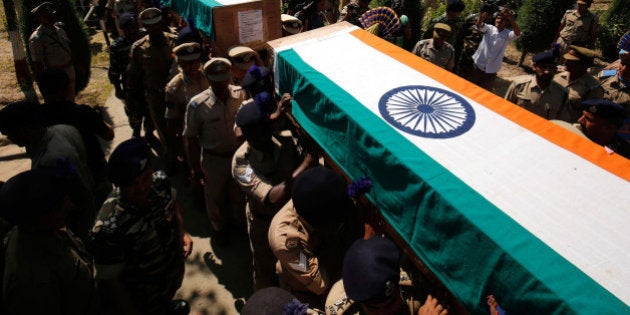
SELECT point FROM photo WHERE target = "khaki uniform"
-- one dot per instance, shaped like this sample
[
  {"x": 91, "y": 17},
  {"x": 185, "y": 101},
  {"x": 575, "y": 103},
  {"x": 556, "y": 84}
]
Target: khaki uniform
[
  {"x": 257, "y": 173},
  {"x": 616, "y": 92},
  {"x": 150, "y": 68},
  {"x": 550, "y": 103},
  {"x": 338, "y": 303},
  {"x": 581, "y": 89},
  {"x": 51, "y": 47},
  {"x": 443, "y": 57},
  {"x": 179, "y": 91},
  {"x": 212, "y": 122},
  {"x": 577, "y": 29},
  {"x": 48, "y": 274}
]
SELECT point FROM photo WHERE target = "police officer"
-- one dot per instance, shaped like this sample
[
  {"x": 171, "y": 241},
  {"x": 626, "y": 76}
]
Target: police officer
[
  {"x": 309, "y": 235},
  {"x": 600, "y": 122},
  {"x": 580, "y": 85},
  {"x": 453, "y": 19},
  {"x": 538, "y": 93},
  {"x": 150, "y": 68},
  {"x": 189, "y": 82},
  {"x": 242, "y": 58},
  {"x": 436, "y": 49},
  {"x": 264, "y": 167},
  {"x": 50, "y": 46},
  {"x": 578, "y": 27},
  {"x": 290, "y": 25},
  {"x": 211, "y": 143},
  {"x": 47, "y": 267}
]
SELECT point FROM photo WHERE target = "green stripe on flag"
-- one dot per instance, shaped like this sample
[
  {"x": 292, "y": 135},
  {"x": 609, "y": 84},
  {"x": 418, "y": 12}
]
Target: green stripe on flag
[
  {"x": 200, "y": 11},
  {"x": 472, "y": 246}
]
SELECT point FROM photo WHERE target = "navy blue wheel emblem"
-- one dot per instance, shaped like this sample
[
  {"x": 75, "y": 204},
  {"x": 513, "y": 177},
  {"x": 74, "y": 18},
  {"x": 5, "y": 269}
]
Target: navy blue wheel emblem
[{"x": 427, "y": 111}]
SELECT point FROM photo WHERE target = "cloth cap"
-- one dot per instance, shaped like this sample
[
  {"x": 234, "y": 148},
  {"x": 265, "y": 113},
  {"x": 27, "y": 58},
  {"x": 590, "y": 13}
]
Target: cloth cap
[
  {"x": 319, "y": 196},
  {"x": 243, "y": 57},
  {"x": 605, "y": 109},
  {"x": 150, "y": 16},
  {"x": 545, "y": 57},
  {"x": 187, "y": 52},
  {"x": 217, "y": 69},
  {"x": 456, "y": 6},
  {"x": 580, "y": 53},
  {"x": 291, "y": 24},
  {"x": 255, "y": 78},
  {"x": 31, "y": 194},
  {"x": 442, "y": 26},
  {"x": 371, "y": 269},
  {"x": 16, "y": 115},
  {"x": 129, "y": 159},
  {"x": 127, "y": 19},
  {"x": 267, "y": 301},
  {"x": 45, "y": 7}
]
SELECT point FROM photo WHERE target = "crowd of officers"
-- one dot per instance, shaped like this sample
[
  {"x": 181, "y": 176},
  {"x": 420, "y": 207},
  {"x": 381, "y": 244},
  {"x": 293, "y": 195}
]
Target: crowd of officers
[{"x": 92, "y": 236}]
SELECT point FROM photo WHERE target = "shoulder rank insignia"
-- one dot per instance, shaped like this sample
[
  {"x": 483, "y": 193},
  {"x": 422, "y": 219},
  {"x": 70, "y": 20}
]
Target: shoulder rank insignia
[{"x": 301, "y": 265}]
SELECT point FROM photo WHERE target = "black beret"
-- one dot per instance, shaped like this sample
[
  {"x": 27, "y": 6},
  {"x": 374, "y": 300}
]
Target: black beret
[
  {"x": 21, "y": 114},
  {"x": 456, "y": 6},
  {"x": 267, "y": 301},
  {"x": 545, "y": 57},
  {"x": 605, "y": 109},
  {"x": 254, "y": 78},
  {"x": 188, "y": 34},
  {"x": 320, "y": 196},
  {"x": 34, "y": 193},
  {"x": 127, "y": 19},
  {"x": 129, "y": 159},
  {"x": 371, "y": 269},
  {"x": 249, "y": 115}
]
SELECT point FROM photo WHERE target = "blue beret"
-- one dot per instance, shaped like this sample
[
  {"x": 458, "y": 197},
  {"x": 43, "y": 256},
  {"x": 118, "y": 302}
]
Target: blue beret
[
  {"x": 188, "y": 34},
  {"x": 129, "y": 159},
  {"x": 371, "y": 269},
  {"x": 608, "y": 110},
  {"x": 127, "y": 19},
  {"x": 21, "y": 114},
  {"x": 249, "y": 115},
  {"x": 545, "y": 57},
  {"x": 319, "y": 196},
  {"x": 255, "y": 79},
  {"x": 267, "y": 301},
  {"x": 34, "y": 193}
]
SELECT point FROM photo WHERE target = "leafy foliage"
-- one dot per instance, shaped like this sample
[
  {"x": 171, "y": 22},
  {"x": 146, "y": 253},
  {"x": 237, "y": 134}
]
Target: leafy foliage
[
  {"x": 614, "y": 23},
  {"x": 74, "y": 27},
  {"x": 539, "y": 21}
]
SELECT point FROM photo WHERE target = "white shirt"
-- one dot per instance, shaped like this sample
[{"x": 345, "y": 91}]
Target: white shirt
[{"x": 489, "y": 55}]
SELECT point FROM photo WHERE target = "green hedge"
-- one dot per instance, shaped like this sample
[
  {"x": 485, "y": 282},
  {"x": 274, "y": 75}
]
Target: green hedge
[
  {"x": 613, "y": 24},
  {"x": 539, "y": 21},
  {"x": 74, "y": 27}
]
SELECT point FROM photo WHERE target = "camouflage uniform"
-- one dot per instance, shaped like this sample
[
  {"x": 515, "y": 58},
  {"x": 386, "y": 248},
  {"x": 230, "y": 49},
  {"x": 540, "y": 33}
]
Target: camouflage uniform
[
  {"x": 150, "y": 68},
  {"x": 550, "y": 103},
  {"x": 141, "y": 247},
  {"x": 257, "y": 173},
  {"x": 117, "y": 73}
]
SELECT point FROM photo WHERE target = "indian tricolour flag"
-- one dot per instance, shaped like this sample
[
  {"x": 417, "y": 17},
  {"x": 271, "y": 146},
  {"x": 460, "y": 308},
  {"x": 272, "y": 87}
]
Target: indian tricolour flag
[{"x": 493, "y": 199}]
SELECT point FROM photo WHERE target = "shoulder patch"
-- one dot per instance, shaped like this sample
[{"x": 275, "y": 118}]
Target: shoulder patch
[
  {"x": 247, "y": 176},
  {"x": 301, "y": 265}
]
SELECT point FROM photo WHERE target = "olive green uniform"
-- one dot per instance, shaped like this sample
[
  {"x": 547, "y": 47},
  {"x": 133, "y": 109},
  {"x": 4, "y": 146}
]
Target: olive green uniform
[
  {"x": 443, "y": 56},
  {"x": 577, "y": 29}
]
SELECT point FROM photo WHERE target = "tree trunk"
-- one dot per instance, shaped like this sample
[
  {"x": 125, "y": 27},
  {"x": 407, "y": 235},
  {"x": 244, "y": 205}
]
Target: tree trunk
[{"x": 22, "y": 71}]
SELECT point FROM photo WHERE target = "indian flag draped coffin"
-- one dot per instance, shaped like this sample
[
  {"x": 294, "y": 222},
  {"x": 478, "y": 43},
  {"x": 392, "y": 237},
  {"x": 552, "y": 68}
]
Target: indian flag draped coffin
[
  {"x": 232, "y": 22},
  {"x": 493, "y": 199}
]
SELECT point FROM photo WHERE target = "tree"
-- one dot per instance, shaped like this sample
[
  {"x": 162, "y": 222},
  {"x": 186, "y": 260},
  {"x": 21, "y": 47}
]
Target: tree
[
  {"x": 74, "y": 27},
  {"x": 614, "y": 23},
  {"x": 19, "y": 53},
  {"x": 539, "y": 21},
  {"x": 415, "y": 11}
]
